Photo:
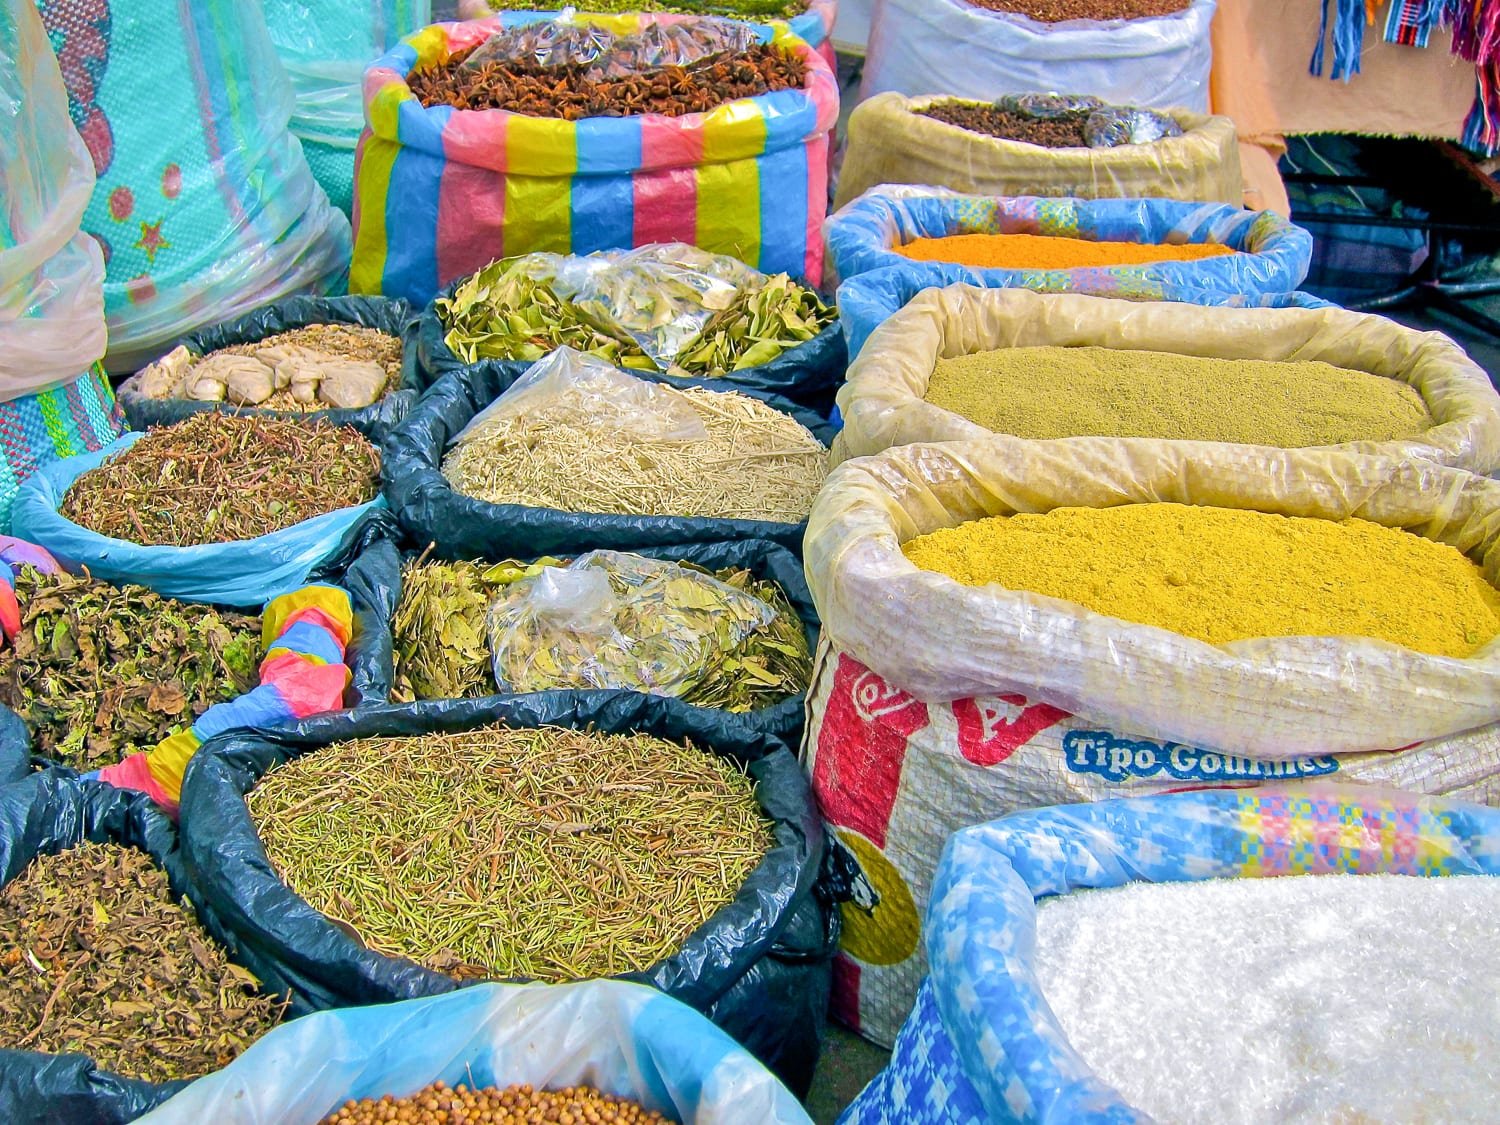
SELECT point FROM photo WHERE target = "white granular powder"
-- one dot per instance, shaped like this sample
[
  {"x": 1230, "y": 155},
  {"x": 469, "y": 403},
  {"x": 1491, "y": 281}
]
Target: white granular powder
[{"x": 1335, "y": 998}]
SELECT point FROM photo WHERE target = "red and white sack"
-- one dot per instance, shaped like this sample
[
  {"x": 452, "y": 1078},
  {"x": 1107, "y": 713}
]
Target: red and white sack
[{"x": 935, "y": 706}]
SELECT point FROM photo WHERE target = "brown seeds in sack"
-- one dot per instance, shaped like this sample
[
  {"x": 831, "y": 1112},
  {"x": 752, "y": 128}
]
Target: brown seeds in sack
[
  {"x": 991, "y": 121},
  {"x": 1059, "y": 11},
  {"x": 98, "y": 959},
  {"x": 437, "y": 1104},
  {"x": 220, "y": 478}
]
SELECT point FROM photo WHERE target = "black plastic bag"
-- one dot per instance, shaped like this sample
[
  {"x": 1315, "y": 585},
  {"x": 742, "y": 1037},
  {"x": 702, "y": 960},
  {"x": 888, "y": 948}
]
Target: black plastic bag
[
  {"x": 389, "y": 315},
  {"x": 754, "y": 967},
  {"x": 47, "y": 813},
  {"x": 765, "y": 560},
  {"x": 462, "y": 527},
  {"x": 808, "y": 374},
  {"x": 15, "y": 747}
]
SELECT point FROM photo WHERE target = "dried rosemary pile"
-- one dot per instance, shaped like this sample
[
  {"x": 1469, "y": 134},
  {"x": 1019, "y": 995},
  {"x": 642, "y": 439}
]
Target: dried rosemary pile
[
  {"x": 550, "y": 854},
  {"x": 755, "y": 464},
  {"x": 218, "y": 478},
  {"x": 99, "y": 671},
  {"x": 98, "y": 959},
  {"x": 443, "y": 651}
]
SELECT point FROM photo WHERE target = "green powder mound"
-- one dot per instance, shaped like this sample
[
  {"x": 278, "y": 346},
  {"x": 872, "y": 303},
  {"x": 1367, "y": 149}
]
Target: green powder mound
[{"x": 1053, "y": 392}]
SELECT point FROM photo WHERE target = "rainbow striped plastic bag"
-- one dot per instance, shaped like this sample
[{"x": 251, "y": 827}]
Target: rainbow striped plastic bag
[{"x": 441, "y": 192}]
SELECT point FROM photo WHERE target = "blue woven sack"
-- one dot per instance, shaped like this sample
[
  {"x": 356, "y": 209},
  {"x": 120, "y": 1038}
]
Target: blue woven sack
[
  {"x": 247, "y": 573},
  {"x": 1274, "y": 254},
  {"x": 982, "y": 1045}
]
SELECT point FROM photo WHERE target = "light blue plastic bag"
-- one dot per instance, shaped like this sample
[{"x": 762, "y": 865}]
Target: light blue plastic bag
[
  {"x": 867, "y": 300},
  {"x": 247, "y": 573},
  {"x": 624, "y": 1039},
  {"x": 1274, "y": 254},
  {"x": 982, "y": 1046}
]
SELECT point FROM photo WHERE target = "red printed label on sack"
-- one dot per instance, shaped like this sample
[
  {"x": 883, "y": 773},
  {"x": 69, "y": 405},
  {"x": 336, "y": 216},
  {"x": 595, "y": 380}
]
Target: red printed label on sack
[
  {"x": 992, "y": 729},
  {"x": 862, "y": 747}
]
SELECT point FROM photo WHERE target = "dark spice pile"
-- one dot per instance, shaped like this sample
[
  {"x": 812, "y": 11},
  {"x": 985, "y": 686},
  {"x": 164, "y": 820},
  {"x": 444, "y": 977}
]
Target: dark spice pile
[
  {"x": 992, "y": 121},
  {"x": 565, "y": 92},
  {"x": 219, "y": 478},
  {"x": 99, "y": 671},
  {"x": 515, "y": 1105},
  {"x": 1057, "y": 11},
  {"x": 98, "y": 959}
]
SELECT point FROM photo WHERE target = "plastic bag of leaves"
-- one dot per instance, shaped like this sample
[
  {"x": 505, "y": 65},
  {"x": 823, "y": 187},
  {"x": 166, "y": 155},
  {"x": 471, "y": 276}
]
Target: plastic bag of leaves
[
  {"x": 113, "y": 996},
  {"x": 758, "y": 967},
  {"x": 691, "y": 317},
  {"x": 241, "y": 337},
  {"x": 759, "y": 682}
]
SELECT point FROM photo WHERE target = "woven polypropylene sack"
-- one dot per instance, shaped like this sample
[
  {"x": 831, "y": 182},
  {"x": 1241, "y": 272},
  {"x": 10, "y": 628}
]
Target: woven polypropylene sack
[
  {"x": 324, "y": 46},
  {"x": 44, "y": 814},
  {"x": 442, "y": 192},
  {"x": 1274, "y": 697},
  {"x": 51, "y": 305},
  {"x": 204, "y": 205},
  {"x": 948, "y": 46},
  {"x": 1273, "y": 254},
  {"x": 813, "y": 25},
  {"x": 756, "y": 940},
  {"x": 984, "y": 1046},
  {"x": 40, "y": 429},
  {"x": 433, "y": 511},
  {"x": 883, "y": 401},
  {"x": 622, "y": 1039},
  {"x": 245, "y": 573},
  {"x": 868, "y": 300},
  {"x": 894, "y": 776},
  {"x": 892, "y": 142},
  {"x": 393, "y": 317}
]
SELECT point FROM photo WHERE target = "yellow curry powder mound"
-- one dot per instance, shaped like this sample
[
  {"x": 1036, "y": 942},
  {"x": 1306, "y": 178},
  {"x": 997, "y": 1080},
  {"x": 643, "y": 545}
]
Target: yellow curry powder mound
[
  {"x": 1051, "y": 252},
  {"x": 1221, "y": 574},
  {"x": 1054, "y": 392}
]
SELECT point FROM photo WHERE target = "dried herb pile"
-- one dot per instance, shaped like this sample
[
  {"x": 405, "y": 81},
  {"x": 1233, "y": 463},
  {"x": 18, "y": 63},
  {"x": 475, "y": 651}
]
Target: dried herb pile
[
  {"x": 436, "y": 1104},
  {"x": 98, "y": 959},
  {"x": 443, "y": 650},
  {"x": 668, "y": 307},
  {"x": 992, "y": 121},
  {"x": 755, "y": 464},
  {"x": 550, "y": 854},
  {"x": 1058, "y": 11},
  {"x": 526, "y": 87},
  {"x": 311, "y": 368},
  {"x": 100, "y": 671},
  {"x": 219, "y": 478}
]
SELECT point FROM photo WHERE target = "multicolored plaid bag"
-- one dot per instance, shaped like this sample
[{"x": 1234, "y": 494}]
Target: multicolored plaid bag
[
  {"x": 441, "y": 192},
  {"x": 77, "y": 417}
]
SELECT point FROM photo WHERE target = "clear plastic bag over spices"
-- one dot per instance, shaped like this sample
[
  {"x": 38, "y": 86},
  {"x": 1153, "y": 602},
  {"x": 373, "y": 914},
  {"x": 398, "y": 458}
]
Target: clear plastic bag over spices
[
  {"x": 614, "y": 620},
  {"x": 601, "y": 393},
  {"x": 601, "y": 53},
  {"x": 51, "y": 300}
]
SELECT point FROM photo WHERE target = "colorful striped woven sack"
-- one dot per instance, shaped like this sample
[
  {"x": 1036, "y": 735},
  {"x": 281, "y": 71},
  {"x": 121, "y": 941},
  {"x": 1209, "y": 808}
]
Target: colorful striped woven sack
[
  {"x": 203, "y": 205},
  {"x": 36, "y": 430},
  {"x": 441, "y": 192}
]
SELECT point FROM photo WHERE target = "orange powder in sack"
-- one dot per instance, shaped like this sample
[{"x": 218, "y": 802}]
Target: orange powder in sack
[{"x": 1046, "y": 252}]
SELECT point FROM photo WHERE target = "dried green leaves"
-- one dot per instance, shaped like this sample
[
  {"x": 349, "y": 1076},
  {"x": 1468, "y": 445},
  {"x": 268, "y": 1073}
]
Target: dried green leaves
[
  {"x": 659, "y": 308},
  {"x": 219, "y": 478},
  {"x": 551, "y": 854},
  {"x": 99, "y": 671},
  {"x": 732, "y": 643},
  {"x": 98, "y": 959},
  {"x": 763, "y": 322}
]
